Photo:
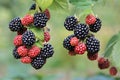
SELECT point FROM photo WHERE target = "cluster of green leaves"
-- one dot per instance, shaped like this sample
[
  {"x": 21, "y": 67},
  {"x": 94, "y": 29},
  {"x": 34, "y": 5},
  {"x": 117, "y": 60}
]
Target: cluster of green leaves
[{"x": 113, "y": 49}]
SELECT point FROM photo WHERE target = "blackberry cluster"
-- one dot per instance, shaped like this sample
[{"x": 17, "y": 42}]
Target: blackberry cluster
[
  {"x": 81, "y": 31},
  {"x": 15, "y": 24},
  {"x": 96, "y": 26},
  {"x": 66, "y": 43},
  {"x": 28, "y": 38},
  {"x": 40, "y": 20},
  {"x": 30, "y": 48},
  {"x": 70, "y": 23},
  {"x": 93, "y": 45}
]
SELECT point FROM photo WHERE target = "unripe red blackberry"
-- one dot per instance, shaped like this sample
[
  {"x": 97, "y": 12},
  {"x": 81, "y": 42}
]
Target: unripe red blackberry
[
  {"x": 33, "y": 51},
  {"x": 17, "y": 40},
  {"x": 22, "y": 51},
  {"x": 27, "y": 20},
  {"x": 26, "y": 60},
  {"x": 74, "y": 41},
  {"x": 90, "y": 19},
  {"x": 81, "y": 31},
  {"x": 70, "y": 23},
  {"x": 80, "y": 48},
  {"x": 40, "y": 20},
  {"x": 47, "y": 51},
  {"x": 113, "y": 71},
  {"x": 15, "y": 53},
  {"x": 28, "y": 38},
  {"x": 66, "y": 43},
  {"x": 93, "y": 45},
  {"x": 103, "y": 63},
  {"x": 38, "y": 62},
  {"x": 15, "y": 24},
  {"x": 96, "y": 26},
  {"x": 46, "y": 36}
]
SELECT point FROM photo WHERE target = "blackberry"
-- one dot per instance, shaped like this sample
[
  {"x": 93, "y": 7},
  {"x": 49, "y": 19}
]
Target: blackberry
[
  {"x": 47, "y": 51},
  {"x": 15, "y": 24},
  {"x": 33, "y": 7},
  {"x": 15, "y": 53},
  {"x": 40, "y": 20},
  {"x": 38, "y": 62},
  {"x": 96, "y": 26},
  {"x": 70, "y": 23},
  {"x": 28, "y": 38},
  {"x": 81, "y": 31},
  {"x": 93, "y": 45},
  {"x": 66, "y": 43}
]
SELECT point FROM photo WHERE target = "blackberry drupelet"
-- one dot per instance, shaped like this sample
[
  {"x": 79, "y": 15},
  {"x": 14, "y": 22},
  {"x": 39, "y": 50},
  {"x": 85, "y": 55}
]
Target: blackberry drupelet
[
  {"x": 81, "y": 31},
  {"x": 70, "y": 23},
  {"x": 96, "y": 26},
  {"x": 93, "y": 45},
  {"x": 40, "y": 20},
  {"x": 28, "y": 38},
  {"x": 15, "y": 53},
  {"x": 66, "y": 43},
  {"x": 38, "y": 62},
  {"x": 33, "y": 7},
  {"x": 47, "y": 51},
  {"x": 15, "y": 24}
]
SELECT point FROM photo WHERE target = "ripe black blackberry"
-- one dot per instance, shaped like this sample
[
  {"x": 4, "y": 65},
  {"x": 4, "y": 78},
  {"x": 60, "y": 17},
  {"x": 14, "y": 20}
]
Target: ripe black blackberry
[
  {"x": 33, "y": 7},
  {"x": 47, "y": 51},
  {"x": 40, "y": 20},
  {"x": 15, "y": 53},
  {"x": 81, "y": 31},
  {"x": 15, "y": 24},
  {"x": 38, "y": 62},
  {"x": 96, "y": 26},
  {"x": 66, "y": 43},
  {"x": 28, "y": 38},
  {"x": 70, "y": 23},
  {"x": 93, "y": 45}
]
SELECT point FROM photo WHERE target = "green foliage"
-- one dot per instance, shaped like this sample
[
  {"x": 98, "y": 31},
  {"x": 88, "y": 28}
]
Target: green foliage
[
  {"x": 113, "y": 49},
  {"x": 44, "y": 4},
  {"x": 39, "y": 34},
  {"x": 59, "y": 5}
]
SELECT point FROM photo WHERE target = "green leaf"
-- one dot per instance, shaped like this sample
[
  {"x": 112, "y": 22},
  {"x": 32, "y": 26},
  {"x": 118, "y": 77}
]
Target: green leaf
[
  {"x": 44, "y": 4},
  {"x": 110, "y": 45},
  {"x": 39, "y": 33},
  {"x": 39, "y": 44},
  {"x": 116, "y": 54},
  {"x": 59, "y": 5},
  {"x": 83, "y": 4}
]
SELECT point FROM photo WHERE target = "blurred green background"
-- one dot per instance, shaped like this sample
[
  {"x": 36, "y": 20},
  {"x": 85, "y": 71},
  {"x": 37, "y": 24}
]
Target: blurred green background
[{"x": 61, "y": 66}]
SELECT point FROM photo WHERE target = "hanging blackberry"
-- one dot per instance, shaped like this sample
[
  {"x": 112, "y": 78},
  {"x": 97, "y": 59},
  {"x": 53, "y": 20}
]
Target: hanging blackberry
[
  {"x": 81, "y": 31},
  {"x": 40, "y": 20},
  {"x": 15, "y": 53},
  {"x": 33, "y": 7},
  {"x": 93, "y": 45},
  {"x": 66, "y": 43},
  {"x": 70, "y": 23},
  {"x": 96, "y": 26},
  {"x": 28, "y": 38},
  {"x": 15, "y": 24},
  {"x": 47, "y": 51},
  {"x": 38, "y": 62}
]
